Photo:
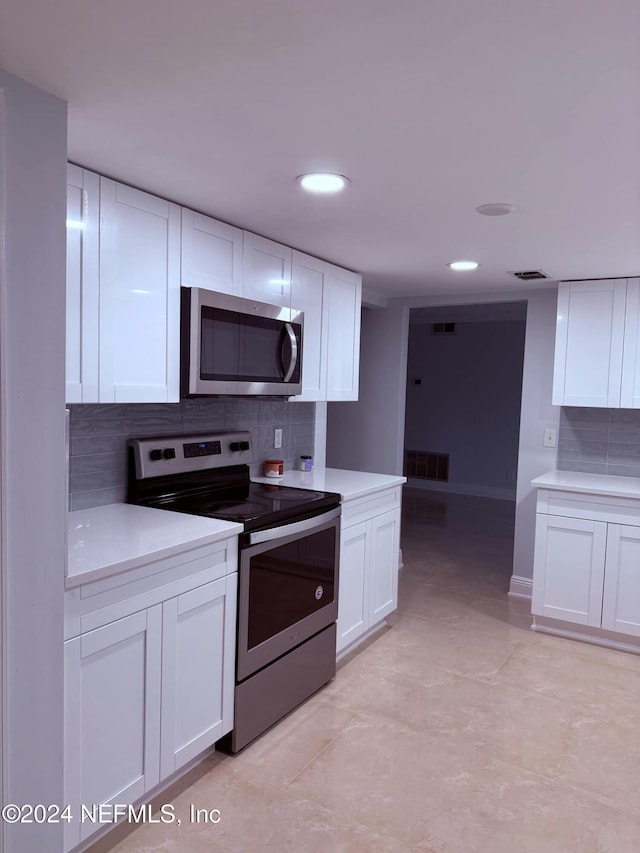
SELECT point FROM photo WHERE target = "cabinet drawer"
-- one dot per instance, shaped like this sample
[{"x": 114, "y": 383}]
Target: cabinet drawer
[
  {"x": 95, "y": 604},
  {"x": 361, "y": 509},
  {"x": 592, "y": 507}
]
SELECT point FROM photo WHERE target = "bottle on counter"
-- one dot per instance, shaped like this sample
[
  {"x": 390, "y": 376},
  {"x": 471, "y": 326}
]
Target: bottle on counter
[{"x": 306, "y": 463}]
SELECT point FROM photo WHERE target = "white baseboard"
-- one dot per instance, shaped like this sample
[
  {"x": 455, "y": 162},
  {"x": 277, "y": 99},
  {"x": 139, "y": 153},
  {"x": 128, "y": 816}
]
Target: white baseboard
[
  {"x": 595, "y": 636},
  {"x": 520, "y": 587},
  {"x": 463, "y": 489}
]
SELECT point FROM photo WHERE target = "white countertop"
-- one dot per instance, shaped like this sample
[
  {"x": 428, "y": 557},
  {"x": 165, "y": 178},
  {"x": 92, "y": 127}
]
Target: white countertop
[
  {"x": 109, "y": 539},
  {"x": 593, "y": 484},
  {"x": 349, "y": 484}
]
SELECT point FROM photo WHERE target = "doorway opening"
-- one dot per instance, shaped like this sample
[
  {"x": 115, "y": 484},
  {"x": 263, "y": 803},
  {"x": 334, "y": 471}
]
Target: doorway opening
[{"x": 462, "y": 424}]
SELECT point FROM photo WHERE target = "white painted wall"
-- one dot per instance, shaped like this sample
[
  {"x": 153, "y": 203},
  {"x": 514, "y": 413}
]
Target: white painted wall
[
  {"x": 32, "y": 444},
  {"x": 467, "y": 402},
  {"x": 368, "y": 435},
  {"x": 536, "y": 414}
]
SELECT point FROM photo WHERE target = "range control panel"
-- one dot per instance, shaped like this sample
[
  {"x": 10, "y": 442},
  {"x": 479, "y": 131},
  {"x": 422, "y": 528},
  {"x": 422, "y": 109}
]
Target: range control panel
[{"x": 170, "y": 454}]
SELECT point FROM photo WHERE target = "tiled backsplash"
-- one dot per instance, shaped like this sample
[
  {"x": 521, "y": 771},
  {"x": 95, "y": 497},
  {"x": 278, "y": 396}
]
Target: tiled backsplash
[
  {"x": 599, "y": 441},
  {"x": 99, "y": 434}
]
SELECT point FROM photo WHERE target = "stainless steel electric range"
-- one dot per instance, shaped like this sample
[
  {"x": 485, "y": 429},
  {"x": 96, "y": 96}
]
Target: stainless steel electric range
[{"x": 288, "y": 566}]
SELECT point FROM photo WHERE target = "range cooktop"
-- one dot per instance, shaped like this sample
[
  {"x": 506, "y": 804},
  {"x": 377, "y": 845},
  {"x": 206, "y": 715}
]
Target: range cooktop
[{"x": 192, "y": 474}]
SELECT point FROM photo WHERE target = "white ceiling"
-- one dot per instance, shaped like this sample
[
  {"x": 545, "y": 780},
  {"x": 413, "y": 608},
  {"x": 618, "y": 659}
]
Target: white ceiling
[{"x": 431, "y": 107}]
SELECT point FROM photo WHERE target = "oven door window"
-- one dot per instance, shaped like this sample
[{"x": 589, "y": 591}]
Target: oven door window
[
  {"x": 289, "y": 582},
  {"x": 236, "y": 347}
]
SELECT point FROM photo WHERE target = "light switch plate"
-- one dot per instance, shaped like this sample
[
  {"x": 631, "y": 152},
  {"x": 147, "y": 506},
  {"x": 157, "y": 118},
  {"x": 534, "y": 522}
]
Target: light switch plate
[
  {"x": 277, "y": 438},
  {"x": 550, "y": 437}
]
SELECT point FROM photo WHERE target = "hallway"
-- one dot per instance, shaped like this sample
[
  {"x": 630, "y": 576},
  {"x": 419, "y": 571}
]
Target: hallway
[{"x": 456, "y": 729}]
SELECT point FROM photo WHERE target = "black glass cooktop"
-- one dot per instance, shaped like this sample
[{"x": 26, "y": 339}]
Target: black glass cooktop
[{"x": 255, "y": 505}]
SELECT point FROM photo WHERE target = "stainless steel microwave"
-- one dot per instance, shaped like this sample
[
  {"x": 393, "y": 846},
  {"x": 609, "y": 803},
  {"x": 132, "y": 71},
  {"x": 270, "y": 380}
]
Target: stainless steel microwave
[{"x": 235, "y": 346}]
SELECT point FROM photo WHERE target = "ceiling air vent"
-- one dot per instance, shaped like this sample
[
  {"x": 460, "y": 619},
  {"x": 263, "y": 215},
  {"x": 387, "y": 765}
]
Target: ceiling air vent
[{"x": 531, "y": 275}]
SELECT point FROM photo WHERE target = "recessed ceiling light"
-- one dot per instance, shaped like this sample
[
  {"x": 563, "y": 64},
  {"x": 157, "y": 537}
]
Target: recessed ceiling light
[
  {"x": 464, "y": 265},
  {"x": 497, "y": 208},
  {"x": 322, "y": 182}
]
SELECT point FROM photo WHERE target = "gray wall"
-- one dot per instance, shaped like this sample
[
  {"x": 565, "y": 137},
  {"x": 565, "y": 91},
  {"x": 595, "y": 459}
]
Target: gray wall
[
  {"x": 600, "y": 441},
  {"x": 99, "y": 434},
  {"x": 33, "y": 153},
  {"x": 366, "y": 435},
  {"x": 536, "y": 414},
  {"x": 468, "y": 402}
]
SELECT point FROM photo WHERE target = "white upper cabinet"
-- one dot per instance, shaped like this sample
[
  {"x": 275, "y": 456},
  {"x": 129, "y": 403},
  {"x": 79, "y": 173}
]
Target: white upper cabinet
[
  {"x": 630, "y": 391},
  {"x": 589, "y": 343},
  {"x": 211, "y": 254},
  {"x": 83, "y": 222},
  {"x": 266, "y": 270},
  {"x": 129, "y": 251},
  {"x": 331, "y": 299},
  {"x": 597, "y": 358},
  {"x": 139, "y": 296},
  {"x": 307, "y": 288},
  {"x": 341, "y": 316}
]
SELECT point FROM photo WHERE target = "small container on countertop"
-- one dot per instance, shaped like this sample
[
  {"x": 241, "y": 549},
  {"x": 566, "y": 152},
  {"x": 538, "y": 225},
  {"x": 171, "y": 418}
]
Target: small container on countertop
[
  {"x": 273, "y": 467},
  {"x": 306, "y": 463}
]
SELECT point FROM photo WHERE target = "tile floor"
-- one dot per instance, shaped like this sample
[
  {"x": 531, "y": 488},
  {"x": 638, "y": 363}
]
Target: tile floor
[{"x": 455, "y": 729}]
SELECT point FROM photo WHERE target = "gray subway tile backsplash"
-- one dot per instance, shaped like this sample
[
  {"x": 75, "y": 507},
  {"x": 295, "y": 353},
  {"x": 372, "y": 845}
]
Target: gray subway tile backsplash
[
  {"x": 599, "y": 441},
  {"x": 99, "y": 435}
]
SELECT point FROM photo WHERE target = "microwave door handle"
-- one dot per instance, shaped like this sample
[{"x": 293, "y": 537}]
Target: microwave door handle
[{"x": 294, "y": 351}]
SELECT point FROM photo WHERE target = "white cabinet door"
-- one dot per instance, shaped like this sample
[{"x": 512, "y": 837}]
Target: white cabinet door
[
  {"x": 266, "y": 270},
  {"x": 139, "y": 296},
  {"x": 353, "y": 592},
  {"x": 589, "y": 343},
  {"x": 83, "y": 193},
  {"x": 211, "y": 254},
  {"x": 341, "y": 316},
  {"x": 198, "y": 668},
  {"x": 621, "y": 601},
  {"x": 568, "y": 573},
  {"x": 112, "y": 715},
  {"x": 385, "y": 552},
  {"x": 630, "y": 393},
  {"x": 306, "y": 295}
]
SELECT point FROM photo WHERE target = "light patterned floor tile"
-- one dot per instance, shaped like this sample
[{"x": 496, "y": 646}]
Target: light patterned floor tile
[{"x": 455, "y": 730}]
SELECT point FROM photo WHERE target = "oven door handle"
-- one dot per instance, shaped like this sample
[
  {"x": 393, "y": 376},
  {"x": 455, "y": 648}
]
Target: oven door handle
[{"x": 294, "y": 528}]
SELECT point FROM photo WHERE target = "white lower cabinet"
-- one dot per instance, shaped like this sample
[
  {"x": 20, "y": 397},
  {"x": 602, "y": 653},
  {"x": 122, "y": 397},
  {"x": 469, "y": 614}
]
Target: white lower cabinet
[
  {"x": 148, "y": 692},
  {"x": 196, "y": 708},
  {"x": 587, "y": 564},
  {"x": 621, "y": 600},
  {"x": 112, "y": 716},
  {"x": 369, "y": 557},
  {"x": 569, "y": 569},
  {"x": 353, "y": 600}
]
